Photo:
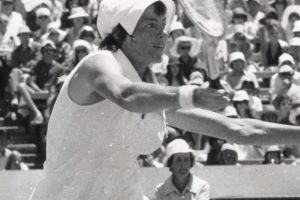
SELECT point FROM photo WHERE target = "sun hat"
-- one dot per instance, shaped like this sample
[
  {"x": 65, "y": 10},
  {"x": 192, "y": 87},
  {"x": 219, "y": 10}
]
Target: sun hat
[
  {"x": 240, "y": 95},
  {"x": 127, "y": 13},
  {"x": 285, "y": 69},
  {"x": 81, "y": 43},
  {"x": 195, "y": 46},
  {"x": 230, "y": 111},
  {"x": 86, "y": 29},
  {"x": 285, "y": 57},
  {"x": 78, "y": 12},
  {"x": 291, "y": 9},
  {"x": 43, "y": 11},
  {"x": 24, "y": 29},
  {"x": 53, "y": 27},
  {"x": 196, "y": 78},
  {"x": 177, "y": 146},
  {"x": 48, "y": 43},
  {"x": 237, "y": 55},
  {"x": 240, "y": 11}
]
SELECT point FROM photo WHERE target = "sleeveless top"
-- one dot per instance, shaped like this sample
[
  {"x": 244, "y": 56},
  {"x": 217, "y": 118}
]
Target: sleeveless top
[{"x": 92, "y": 149}]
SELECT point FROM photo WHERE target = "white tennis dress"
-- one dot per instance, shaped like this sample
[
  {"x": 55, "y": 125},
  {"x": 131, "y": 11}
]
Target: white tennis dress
[{"x": 92, "y": 150}]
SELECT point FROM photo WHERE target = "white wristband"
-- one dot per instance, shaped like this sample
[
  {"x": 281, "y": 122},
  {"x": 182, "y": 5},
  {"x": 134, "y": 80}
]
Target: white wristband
[{"x": 186, "y": 96}]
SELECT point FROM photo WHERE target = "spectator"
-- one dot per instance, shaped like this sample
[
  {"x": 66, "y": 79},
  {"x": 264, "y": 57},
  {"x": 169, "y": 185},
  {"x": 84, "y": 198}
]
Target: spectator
[
  {"x": 181, "y": 184},
  {"x": 15, "y": 19},
  {"x": 274, "y": 47},
  {"x": 234, "y": 79},
  {"x": 276, "y": 81},
  {"x": 7, "y": 41},
  {"x": 65, "y": 22},
  {"x": 273, "y": 155},
  {"x": 174, "y": 74},
  {"x": 42, "y": 20},
  {"x": 47, "y": 70},
  {"x": 255, "y": 10},
  {"x": 241, "y": 103},
  {"x": 228, "y": 154},
  {"x": 57, "y": 36},
  {"x": 81, "y": 48},
  {"x": 288, "y": 88},
  {"x": 27, "y": 51},
  {"x": 79, "y": 18},
  {"x": 87, "y": 33},
  {"x": 269, "y": 114},
  {"x": 186, "y": 49}
]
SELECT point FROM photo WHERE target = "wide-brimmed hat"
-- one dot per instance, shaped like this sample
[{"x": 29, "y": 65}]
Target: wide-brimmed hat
[
  {"x": 195, "y": 46},
  {"x": 48, "y": 43},
  {"x": 43, "y": 11},
  {"x": 24, "y": 30},
  {"x": 53, "y": 28},
  {"x": 88, "y": 29},
  {"x": 127, "y": 14},
  {"x": 268, "y": 109},
  {"x": 239, "y": 29},
  {"x": 196, "y": 78},
  {"x": 237, "y": 55},
  {"x": 78, "y": 12},
  {"x": 230, "y": 111},
  {"x": 176, "y": 25},
  {"x": 177, "y": 146},
  {"x": 285, "y": 57}
]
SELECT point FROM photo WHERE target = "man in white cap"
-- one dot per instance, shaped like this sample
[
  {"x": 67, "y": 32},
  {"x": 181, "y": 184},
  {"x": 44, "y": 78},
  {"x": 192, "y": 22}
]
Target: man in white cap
[
  {"x": 97, "y": 127},
  {"x": 182, "y": 184}
]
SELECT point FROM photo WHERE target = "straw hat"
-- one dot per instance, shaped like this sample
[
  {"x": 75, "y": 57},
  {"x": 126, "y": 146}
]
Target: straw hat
[
  {"x": 53, "y": 27},
  {"x": 230, "y": 111},
  {"x": 195, "y": 46},
  {"x": 127, "y": 13},
  {"x": 78, "y": 12},
  {"x": 48, "y": 43},
  {"x": 286, "y": 69}
]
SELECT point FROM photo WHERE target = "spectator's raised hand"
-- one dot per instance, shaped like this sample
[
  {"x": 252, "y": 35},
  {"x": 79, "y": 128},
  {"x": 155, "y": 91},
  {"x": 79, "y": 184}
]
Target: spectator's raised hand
[{"x": 210, "y": 99}]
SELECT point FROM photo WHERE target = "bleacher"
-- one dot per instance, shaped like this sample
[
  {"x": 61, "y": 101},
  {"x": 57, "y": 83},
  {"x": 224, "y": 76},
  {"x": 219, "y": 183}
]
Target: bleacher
[{"x": 226, "y": 182}]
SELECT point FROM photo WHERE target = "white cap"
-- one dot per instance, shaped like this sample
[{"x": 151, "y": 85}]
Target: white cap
[
  {"x": 240, "y": 95},
  {"x": 295, "y": 42},
  {"x": 196, "y": 78},
  {"x": 285, "y": 57},
  {"x": 24, "y": 29},
  {"x": 177, "y": 146},
  {"x": 296, "y": 26},
  {"x": 237, "y": 56},
  {"x": 81, "y": 43},
  {"x": 230, "y": 111},
  {"x": 43, "y": 11},
  {"x": 228, "y": 146},
  {"x": 176, "y": 25},
  {"x": 77, "y": 12},
  {"x": 50, "y": 43},
  {"x": 127, "y": 13},
  {"x": 285, "y": 69}
]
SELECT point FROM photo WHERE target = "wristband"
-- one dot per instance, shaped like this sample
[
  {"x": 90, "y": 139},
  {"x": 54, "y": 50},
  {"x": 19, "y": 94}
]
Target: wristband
[{"x": 186, "y": 96}]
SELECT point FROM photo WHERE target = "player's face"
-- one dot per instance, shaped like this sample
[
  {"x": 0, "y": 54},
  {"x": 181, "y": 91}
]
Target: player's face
[{"x": 149, "y": 38}]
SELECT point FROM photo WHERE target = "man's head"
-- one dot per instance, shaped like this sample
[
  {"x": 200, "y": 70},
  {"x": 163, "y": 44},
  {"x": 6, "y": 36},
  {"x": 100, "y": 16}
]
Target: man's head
[
  {"x": 254, "y": 6},
  {"x": 286, "y": 73},
  {"x": 24, "y": 34},
  {"x": 137, "y": 27},
  {"x": 43, "y": 17},
  {"x": 237, "y": 61},
  {"x": 48, "y": 50}
]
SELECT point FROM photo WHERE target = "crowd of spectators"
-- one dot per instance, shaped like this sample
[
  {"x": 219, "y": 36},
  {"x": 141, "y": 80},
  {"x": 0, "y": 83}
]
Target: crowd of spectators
[{"x": 39, "y": 46}]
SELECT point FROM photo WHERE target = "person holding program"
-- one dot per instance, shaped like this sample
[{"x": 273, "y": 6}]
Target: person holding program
[{"x": 106, "y": 115}]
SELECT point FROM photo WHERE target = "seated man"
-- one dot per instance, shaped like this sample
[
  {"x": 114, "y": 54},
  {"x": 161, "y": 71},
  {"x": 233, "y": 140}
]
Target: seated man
[{"x": 181, "y": 184}]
